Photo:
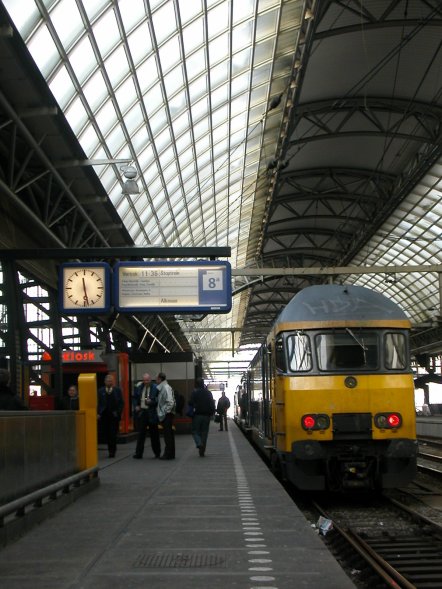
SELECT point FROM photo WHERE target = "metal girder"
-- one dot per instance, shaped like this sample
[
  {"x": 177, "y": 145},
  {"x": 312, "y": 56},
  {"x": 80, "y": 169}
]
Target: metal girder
[
  {"x": 366, "y": 116},
  {"x": 116, "y": 252},
  {"x": 369, "y": 20},
  {"x": 333, "y": 271}
]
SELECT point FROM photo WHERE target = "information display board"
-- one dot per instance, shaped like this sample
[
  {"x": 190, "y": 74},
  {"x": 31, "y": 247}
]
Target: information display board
[{"x": 173, "y": 287}]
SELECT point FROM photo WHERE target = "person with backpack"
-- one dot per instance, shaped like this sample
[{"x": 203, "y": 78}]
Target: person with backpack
[
  {"x": 203, "y": 405},
  {"x": 221, "y": 409},
  {"x": 165, "y": 411}
]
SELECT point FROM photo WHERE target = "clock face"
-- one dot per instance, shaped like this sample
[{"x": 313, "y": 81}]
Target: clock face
[{"x": 84, "y": 287}]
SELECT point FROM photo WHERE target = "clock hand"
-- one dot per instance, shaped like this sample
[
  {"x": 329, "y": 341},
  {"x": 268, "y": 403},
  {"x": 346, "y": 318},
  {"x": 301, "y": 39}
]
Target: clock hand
[{"x": 85, "y": 298}]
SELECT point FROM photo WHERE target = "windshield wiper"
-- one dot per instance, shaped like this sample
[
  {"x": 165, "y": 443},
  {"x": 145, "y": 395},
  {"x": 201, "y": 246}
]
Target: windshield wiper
[{"x": 364, "y": 348}]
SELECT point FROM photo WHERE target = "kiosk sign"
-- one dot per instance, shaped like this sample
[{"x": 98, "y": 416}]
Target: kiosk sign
[{"x": 173, "y": 287}]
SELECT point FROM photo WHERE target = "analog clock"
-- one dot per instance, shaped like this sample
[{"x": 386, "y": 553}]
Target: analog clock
[{"x": 84, "y": 287}]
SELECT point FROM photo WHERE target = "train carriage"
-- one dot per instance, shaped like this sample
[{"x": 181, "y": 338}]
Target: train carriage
[{"x": 330, "y": 395}]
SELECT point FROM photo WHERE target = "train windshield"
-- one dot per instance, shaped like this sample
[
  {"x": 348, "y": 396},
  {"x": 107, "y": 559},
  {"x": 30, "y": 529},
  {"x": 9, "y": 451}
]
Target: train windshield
[{"x": 347, "y": 349}]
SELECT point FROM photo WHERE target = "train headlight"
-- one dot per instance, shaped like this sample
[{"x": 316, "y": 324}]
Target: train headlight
[
  {"x": 315, "y": 421},
  {"x": 388, "y": 420}
]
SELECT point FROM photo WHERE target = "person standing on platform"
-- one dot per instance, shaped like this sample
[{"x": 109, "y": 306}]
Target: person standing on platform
[
  {"x": 9, "y": 401},
  {"x": 72, "y": 401},
  {"x": 110, "y": 407},
  {"x": 221, "y": 408},
  {"x": 203, "y": 405},
  {"x": 165, "y": 411},
  {"x": 146, "y": 398}
]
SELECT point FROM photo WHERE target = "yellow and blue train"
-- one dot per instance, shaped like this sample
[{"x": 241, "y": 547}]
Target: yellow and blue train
[{"x": 329, "y": 397}]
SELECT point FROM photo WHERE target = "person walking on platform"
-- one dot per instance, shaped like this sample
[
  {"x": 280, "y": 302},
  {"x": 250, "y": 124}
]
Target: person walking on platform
[
  {"x": 110, "y": 407},
  {"x": 165, "y": 411},
  {"x": 203, "y": 405},
  {"x": 146, "y": 398},
  {"x": 221, "y": 408},
  {"x": 9, "y": 401}
]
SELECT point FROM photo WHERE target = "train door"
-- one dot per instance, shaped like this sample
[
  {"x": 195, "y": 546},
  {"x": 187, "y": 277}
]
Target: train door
[{"x": 267, "y": 403}]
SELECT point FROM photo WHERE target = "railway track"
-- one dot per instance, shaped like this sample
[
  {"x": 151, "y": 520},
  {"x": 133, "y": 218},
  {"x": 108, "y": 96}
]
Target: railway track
[
  {"x": 399, "y": 547},
  {"x": 430, "y": 456}
]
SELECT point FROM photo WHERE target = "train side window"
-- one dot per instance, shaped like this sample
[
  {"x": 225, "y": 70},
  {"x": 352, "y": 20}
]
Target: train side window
[
  {"x": 299, "y": 352},
  {"x": 395, "y": 351},
  {"x": 279, "y": 355}
]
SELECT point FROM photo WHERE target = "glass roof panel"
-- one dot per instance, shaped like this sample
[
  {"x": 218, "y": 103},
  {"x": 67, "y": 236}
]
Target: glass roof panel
[
  {"x": 153, "y": 100},
  {"x": 89, "y": 140},
  {"x": 106, "y": 117},
  {"x": 133, "y": 119},
  {"x": 169, "y": 54},
  {"x": 177, "y": 105},
  {"x": 117, "y": 66},
  {"x": 218, "y": 19},
  {"x": 196, "y": 64},
  {"x": 82, "y": 59},
  {"x": 115, "y": 139},
  {"x": 62, "y": 87},
  {"x": 43, "y": 49},
  {"x": 95, "y": 90},
  {"x": 140, "y": 43},
  {"x": 164, "y": 22},
  {"x": 67, "y": 21},
  {"x": 174, "y": 80},
  {"x": 76, "y": 115},
  {"x": 126, "y": 95},
  {"x": 106, "y": 33},
  {"x": 218, "y": 49},
  {"x": 94, "y": 7},
  {"x": 188, "y": 10},
  {"x": 193, "y": 36},
  {"x": 132, "y": 13},
  {"x": 147, "y": 73}
]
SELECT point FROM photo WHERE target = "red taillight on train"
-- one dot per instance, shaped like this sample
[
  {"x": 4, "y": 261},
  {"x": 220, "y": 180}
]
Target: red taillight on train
[
  {"x": 388, "y": 420},
  {"x": 308, "y": 422},
  {"x": 315, "y": 421},
  {"x": 394, "y": 420}
]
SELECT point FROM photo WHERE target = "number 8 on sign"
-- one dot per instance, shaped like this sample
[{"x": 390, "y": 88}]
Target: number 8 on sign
[{"x": 213, "y": 280}]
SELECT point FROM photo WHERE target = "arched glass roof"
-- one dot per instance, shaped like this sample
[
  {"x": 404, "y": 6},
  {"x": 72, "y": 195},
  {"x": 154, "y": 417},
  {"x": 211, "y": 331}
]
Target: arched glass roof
[
  {"x": 180, "y": 90},
  {"x": 299, "y": 133}
]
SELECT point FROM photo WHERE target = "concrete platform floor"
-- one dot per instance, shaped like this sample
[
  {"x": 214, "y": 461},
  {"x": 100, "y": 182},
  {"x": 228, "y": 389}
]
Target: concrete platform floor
[{"x": 213, "y": 522}]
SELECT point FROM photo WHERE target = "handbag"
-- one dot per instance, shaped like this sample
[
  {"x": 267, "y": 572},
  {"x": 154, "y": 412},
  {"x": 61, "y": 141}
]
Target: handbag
[
  {"x": 217, "y": 418},
  {"x": 190, "y": 411}
]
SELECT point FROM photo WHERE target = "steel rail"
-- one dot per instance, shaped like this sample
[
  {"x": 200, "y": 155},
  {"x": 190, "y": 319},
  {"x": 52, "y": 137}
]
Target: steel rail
[{"x": 390, "y": 575}]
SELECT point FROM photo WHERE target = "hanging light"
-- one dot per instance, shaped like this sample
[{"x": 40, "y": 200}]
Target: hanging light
[{"x": 130, "y": 185}]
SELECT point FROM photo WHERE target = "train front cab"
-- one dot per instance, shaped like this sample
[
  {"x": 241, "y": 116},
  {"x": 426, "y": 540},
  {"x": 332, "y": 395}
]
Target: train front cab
[{"x": 343, "y": 412}]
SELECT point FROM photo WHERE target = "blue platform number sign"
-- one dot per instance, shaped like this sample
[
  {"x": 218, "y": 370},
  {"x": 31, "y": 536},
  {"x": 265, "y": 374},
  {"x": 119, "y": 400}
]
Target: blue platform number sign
[{"x": 211, "y": 286}]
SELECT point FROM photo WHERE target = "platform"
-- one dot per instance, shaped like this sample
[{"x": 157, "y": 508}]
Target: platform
[
  {"x": 429, "y": 426},
  {"x": 217, "y": 521}
]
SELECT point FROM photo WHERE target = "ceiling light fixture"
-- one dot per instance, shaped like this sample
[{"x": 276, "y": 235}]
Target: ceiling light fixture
[{"x": 130, "y": 186}]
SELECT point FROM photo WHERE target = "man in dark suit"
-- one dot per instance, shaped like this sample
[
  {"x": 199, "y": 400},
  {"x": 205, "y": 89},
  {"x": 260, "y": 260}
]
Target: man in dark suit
[
  {"x": 110, "y": 407},
  {"x": 145, "y": 401}
]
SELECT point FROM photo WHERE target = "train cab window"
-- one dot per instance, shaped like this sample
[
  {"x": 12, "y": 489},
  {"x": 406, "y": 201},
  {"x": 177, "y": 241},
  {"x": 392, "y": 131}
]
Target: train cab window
[
  {"x": 279, "y": 355},
  {"x": 347, "y": 350},
  {"x": 395, "y": 351},
  {"x": 299, "y": 352}
]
